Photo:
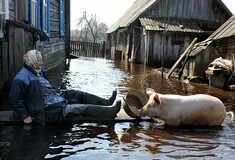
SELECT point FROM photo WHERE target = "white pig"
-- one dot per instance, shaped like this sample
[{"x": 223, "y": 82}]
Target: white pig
[{"x": 174, "y": 110}]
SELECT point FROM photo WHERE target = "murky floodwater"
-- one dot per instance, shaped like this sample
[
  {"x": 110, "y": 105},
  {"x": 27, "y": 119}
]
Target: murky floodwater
[{"x": 125, "y": 140}]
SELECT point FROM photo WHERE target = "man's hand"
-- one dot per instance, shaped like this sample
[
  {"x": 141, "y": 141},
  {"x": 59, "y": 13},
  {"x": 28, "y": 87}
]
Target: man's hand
[{"x": 28, "y": 120}]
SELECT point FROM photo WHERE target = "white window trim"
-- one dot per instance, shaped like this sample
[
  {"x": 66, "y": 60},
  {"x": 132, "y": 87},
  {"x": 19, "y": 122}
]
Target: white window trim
[
  {"x": 6, "y": 16},
  {"x": 44, "y": 16},
  {"x": 34, "y": 19},
  {"x": 6, "y": 9}
]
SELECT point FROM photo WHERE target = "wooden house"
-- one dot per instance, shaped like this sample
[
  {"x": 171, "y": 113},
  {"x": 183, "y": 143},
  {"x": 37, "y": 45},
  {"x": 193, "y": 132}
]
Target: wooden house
[
  {"x": 221, "y": 43},
  {"x": 157, "y": 32},
  {"x": 32, "y": 24}
]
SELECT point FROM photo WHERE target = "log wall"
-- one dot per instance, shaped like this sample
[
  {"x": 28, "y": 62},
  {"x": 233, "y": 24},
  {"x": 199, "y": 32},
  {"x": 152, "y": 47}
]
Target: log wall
[{"x": 20, "y": 38}]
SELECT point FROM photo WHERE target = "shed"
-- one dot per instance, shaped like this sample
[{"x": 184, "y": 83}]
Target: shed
[
  {"x": 221, "y": 43},
  {"x": 156, "y": 32}
]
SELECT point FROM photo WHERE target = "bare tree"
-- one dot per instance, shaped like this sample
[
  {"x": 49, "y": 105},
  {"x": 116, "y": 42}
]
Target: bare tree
[{"x": 90, "y": 29}]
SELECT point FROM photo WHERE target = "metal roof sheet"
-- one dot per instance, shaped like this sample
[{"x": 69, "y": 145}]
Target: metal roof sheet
[
  {"x": 138, "y": 8},
  {"x": 171, "y": 24},
  {"x": 225, "y": 30}
]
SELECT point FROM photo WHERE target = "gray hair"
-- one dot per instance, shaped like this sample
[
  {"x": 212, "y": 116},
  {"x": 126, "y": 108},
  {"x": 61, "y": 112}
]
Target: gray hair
[{"x": 31, "y": 58}]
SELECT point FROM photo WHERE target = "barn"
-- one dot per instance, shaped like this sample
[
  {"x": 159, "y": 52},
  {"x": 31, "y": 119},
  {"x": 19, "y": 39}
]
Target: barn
[
  {"x": 221, "y": 43},
  {"x": 157, "y": 32}
]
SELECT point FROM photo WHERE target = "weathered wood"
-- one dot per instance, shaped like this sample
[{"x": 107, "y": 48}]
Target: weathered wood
[
  {"x": 67, "y": 29},
  {"x": 7, "y": 117},
  {"x": 87, "y": 49},
  {"x": 4, "y": 61},
  {"x": 207, "y": 14},
  {"x": 11, "y": 69},
  {"x": 21, "y": 37},
  {"x": 19, "y": 48},
  {"x": 21, "y": 11},
  {"x": 181, "y": 57}
]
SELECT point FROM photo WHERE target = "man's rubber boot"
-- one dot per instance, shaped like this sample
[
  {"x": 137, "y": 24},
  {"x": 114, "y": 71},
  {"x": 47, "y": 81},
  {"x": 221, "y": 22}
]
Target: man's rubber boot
[{"x": 92, "y": 110}]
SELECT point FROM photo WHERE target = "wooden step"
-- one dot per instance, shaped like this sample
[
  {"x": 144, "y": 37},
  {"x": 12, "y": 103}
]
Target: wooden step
[{"x": 7, "y": 117}]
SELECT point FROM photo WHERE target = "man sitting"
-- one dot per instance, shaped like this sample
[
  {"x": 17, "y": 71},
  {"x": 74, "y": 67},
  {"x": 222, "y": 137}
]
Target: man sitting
[{"x": 34, "y": 98}]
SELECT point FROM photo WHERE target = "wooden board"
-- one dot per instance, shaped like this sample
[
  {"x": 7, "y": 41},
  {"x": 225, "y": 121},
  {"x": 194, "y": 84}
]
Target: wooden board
[{"x": 7, "y": 117}]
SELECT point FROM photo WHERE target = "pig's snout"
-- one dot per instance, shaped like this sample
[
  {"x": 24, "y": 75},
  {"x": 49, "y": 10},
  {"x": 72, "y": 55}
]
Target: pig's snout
[{"x": 142, "y": 111}]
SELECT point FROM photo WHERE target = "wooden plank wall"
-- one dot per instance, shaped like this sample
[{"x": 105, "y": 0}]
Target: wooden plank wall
[
  {"x": 17, "y": 37},
  {"x": 227, "y": 48},
  {"x": 195, "y": 9},
  {"x": 54, "y": 49},
  {"x": 19, "y": 40},
  {"x": 160, "y": 45},
  {"x": 1, "y": 64}
]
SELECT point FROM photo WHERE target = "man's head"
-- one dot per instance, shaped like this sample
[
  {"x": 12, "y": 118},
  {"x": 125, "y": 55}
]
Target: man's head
[{"x": 33, "y": 59}]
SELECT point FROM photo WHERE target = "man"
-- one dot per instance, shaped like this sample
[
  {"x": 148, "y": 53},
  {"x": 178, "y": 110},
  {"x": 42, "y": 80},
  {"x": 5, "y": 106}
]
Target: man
[{"x": 33, "y": 97}]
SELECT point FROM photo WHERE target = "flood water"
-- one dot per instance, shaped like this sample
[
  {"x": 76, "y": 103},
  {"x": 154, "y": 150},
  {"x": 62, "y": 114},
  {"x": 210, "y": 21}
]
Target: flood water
[{"x": 123, "y": 140}]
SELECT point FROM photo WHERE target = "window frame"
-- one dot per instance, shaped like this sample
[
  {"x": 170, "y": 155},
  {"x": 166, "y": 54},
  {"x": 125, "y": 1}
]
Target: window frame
[
  {"x": 45, "y": 27},
  {"x": 6, "y": 7},
  {"x": 6, "y": 17},
  {"x": 37, "y": 13},
  {"x": 40, "y": 15}
]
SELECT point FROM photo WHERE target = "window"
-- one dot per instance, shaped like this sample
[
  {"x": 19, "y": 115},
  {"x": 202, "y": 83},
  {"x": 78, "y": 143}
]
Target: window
[
  {"x": 35, "y": 16},
  {"x": 177, "y": 40},
  {"x": 46, "y": 16},
  {"x": 4, "y": 14},
  {"x": 62, "y": 17},
  {"x": 39, "y": 16}
]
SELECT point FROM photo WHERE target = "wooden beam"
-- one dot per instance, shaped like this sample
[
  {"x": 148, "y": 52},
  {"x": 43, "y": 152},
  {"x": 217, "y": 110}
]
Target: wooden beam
[{"x": 7, "y": 117}]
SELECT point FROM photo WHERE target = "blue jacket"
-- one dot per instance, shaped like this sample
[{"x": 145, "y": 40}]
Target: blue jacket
[{"x": 26, "y": 98}]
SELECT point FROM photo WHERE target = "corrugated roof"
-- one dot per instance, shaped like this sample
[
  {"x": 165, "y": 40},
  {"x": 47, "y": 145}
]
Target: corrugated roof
[
  {"x": 138, "y": 7},
  {"x": 171, "y": 24},
  {"x": 225, "y": 30}
]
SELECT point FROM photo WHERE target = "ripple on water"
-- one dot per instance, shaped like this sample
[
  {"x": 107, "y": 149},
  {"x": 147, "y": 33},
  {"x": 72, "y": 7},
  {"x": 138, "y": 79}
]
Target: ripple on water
[{"x": 144, "y": 140}]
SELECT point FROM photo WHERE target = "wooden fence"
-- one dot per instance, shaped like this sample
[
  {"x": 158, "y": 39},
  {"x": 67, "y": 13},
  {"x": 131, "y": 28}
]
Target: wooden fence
[{"x": 87, "y": 49}]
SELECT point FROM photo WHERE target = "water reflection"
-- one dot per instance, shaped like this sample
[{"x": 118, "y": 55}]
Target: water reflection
[
  {"x": 84, "y": 140},
  {"x": 126, "y": 140},
  {"x": 142, "y": 140},
  {"x": 27, "y": 142},
  {"x": 98, "y": 76}
]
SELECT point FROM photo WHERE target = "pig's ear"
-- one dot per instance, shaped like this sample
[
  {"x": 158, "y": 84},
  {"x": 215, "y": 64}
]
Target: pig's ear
[
  {"x": 150, "y": 91},
  {"x": 156, "y": 98}
]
